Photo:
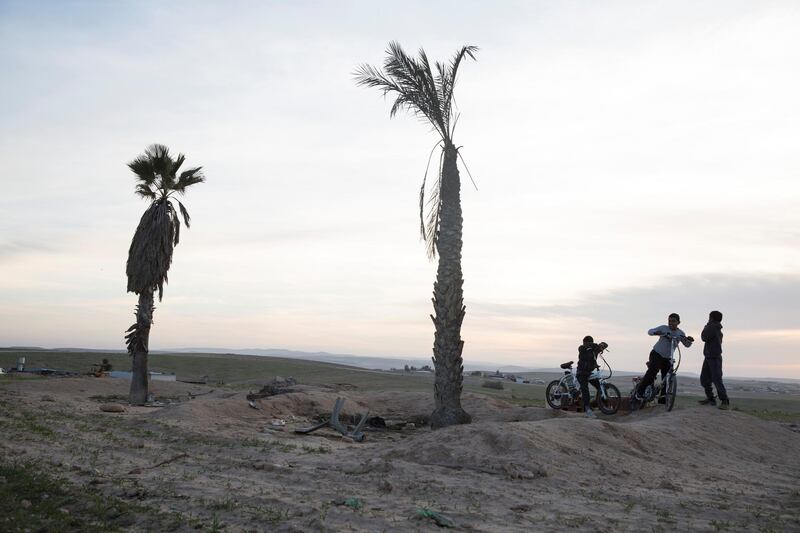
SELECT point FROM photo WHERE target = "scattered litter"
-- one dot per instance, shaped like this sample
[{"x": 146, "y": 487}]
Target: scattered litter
[
  {"x": 40, "y": 371},
  {"x": 193, "y": 395},
  {"x": 376, "y": 423},
  {"x": 352, "y": 503},
  {"x": 277, "y": 422},
  {"x": 440, "y": 519},
  {"x": 252, "y": 404},
  {"x": 162, "y": 463},
  {"x": 278, "y": 385}
]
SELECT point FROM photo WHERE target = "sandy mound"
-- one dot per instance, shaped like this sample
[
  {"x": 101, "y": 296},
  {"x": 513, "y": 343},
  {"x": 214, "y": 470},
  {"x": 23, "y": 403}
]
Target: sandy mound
[{"x": 513, "y": 469}]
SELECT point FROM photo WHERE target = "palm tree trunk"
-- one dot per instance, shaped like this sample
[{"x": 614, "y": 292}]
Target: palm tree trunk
[
  {"x": 448, "y": 302},
  {"x": 138, "y": 341}
]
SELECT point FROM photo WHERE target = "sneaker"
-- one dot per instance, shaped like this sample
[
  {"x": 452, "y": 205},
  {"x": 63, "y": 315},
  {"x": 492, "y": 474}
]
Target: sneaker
[
  {"x": 725, "y": 405},
  {"x": 590, "y": 414},
  {"x": 708, "y": 401}
]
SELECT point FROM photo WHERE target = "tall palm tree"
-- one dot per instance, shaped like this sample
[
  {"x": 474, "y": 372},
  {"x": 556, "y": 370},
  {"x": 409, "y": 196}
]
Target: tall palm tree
[
  {"x": 428, "y": 93},
  {"x": 150, "y": 254}
]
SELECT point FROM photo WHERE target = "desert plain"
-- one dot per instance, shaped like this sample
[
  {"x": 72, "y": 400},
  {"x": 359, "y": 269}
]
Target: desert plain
[{"x": 201, "y": 457}]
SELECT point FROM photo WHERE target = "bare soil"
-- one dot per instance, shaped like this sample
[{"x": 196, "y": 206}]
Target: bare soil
[{"x": 208, "y": 458}]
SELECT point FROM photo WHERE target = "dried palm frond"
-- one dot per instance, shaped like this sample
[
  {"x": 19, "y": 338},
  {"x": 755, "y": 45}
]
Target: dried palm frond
[{"x": 158, "y": 232}]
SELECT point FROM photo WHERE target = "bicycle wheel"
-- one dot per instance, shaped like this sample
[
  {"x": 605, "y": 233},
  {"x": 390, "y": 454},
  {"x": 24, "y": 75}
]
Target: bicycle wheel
[
  {"x": 610, "y": 404},
  {"x": 671, "y": 391},
  {"x": 556, "y": 395}
]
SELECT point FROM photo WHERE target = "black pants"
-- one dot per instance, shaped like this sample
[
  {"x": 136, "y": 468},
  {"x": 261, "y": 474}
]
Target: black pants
[
  {"x": 712, "y": 373},
  {"x": 584, "y": 381},
  {"x": 654, "y": 364}
]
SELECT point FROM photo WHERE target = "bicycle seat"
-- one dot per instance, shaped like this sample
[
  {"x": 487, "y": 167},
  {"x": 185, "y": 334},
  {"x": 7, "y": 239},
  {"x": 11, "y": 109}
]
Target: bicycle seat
[{"x": 567, "y": 365}]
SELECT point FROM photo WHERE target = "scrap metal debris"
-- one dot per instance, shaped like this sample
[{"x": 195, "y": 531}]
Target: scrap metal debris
[
  {"x": 356, "y": 434},
  {"x": 278, "y": 385}
]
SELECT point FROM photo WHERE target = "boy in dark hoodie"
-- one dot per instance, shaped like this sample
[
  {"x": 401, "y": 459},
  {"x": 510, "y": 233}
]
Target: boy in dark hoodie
[
  {"x": 587, "y": 363},
  {"x": 712, "y": 362}
]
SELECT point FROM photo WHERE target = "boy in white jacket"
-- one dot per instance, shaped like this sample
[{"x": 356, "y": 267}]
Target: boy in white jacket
[{"x": 661, "y": 354}]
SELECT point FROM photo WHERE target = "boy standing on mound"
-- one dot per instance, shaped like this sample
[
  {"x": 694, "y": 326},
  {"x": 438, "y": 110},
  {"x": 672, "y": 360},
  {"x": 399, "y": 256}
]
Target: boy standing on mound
[{"x": 712, "y": 362}]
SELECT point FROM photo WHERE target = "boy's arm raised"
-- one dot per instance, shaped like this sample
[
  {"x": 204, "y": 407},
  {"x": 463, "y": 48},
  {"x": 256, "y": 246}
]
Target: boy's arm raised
[{"x": 658, "y": 330}]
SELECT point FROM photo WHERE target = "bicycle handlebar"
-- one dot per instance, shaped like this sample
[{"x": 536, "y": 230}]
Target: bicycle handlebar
[{"x": 676, "y": 337}]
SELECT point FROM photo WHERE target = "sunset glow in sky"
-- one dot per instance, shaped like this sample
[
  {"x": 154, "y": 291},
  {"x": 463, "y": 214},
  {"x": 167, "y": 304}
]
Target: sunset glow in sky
[{"x": 632, "y": 159}]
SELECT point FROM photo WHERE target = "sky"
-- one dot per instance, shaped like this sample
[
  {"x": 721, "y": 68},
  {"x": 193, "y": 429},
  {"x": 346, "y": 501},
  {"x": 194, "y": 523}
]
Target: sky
[{"x": 632, "y": 159}]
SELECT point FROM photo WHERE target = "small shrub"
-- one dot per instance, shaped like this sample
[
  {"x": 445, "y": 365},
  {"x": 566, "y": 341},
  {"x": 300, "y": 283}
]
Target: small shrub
[{"x": 491, "y": 384}]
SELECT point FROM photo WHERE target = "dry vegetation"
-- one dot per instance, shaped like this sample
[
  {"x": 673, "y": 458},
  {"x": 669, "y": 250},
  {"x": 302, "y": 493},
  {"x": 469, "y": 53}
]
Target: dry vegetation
[{"x": 205, "y": 460}]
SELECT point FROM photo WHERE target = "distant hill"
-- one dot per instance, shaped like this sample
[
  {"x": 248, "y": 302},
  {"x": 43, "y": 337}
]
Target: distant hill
[
  {"x": 379, "y": 363},
  {"x": 360, "y": 361}
]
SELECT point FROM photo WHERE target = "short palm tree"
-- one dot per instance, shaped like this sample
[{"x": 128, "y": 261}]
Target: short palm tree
[
  {"x": 150, "y": 254},
  {"x": 428, "y": 94}
]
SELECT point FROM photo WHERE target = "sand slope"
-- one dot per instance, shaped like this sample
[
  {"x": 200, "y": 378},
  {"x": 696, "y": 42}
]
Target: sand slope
[{"x": 513, "y": 469}]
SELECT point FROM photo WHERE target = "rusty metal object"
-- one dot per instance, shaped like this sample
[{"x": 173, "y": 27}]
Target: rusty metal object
[{"x": 356, "y": 433}]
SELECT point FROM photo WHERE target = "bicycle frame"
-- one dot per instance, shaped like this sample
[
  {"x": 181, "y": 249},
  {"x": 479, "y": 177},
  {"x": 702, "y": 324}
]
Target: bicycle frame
[
  {"x": 570, "y": 380},
  {"x": 665, "y": 381},
  {"x": 566, "y": 391}
]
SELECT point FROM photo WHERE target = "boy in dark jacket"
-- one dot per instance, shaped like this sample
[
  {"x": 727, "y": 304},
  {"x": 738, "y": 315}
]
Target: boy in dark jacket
[
  {"x": 587, "y": 363},
  {"x": 712, "y": 362}
]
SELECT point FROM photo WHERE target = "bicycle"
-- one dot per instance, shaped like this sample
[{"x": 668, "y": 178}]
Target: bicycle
[
  {"x": 667, "y": 387},
  {"x": 565, "y": 392}
]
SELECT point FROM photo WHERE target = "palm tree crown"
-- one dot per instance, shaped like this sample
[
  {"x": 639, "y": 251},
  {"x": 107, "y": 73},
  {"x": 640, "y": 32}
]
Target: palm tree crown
[
  {"x": 150, "y": 254},
  {"x": 428, "y": 95}
]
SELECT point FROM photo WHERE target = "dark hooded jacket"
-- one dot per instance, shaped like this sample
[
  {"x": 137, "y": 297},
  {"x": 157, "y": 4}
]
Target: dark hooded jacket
[
  {"x": 587, "y": 358},
  {"x": 712, "y": 337}
]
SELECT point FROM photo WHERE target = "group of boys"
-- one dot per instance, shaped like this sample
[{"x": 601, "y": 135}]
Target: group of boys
[{"x": 661, "y": 358}]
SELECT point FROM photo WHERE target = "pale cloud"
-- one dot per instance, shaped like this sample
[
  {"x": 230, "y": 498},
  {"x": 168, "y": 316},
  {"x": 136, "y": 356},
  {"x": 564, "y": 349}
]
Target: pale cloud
[
  {"x": 621, "y": 149},
  {"x": 15, "y": 247}
]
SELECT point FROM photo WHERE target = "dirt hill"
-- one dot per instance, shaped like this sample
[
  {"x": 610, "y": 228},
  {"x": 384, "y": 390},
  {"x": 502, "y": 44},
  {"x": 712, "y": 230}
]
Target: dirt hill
[{"x": 207, "y": 459}]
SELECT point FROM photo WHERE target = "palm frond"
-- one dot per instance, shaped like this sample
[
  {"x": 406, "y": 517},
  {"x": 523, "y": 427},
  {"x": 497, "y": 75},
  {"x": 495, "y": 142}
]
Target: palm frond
[
  {"x": 177, "y": 222},
  {"x": 160, "y": 159},
  {"x": 463, "y": 162},
  {"x": 449, "y": 80},
  {"x": 187, "y": 179},
  {"x": 422, "y": 194},
  {"x": 176, "y": 165},
  {"x": 186, "y": 218},
  {"x": 150, "y": 253},
  {"x": 143, "y": 168},
  {"x": 434, "y": 212},
  {"x": 144, "y": 191},
  {"x": 409, "y": 80}
]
